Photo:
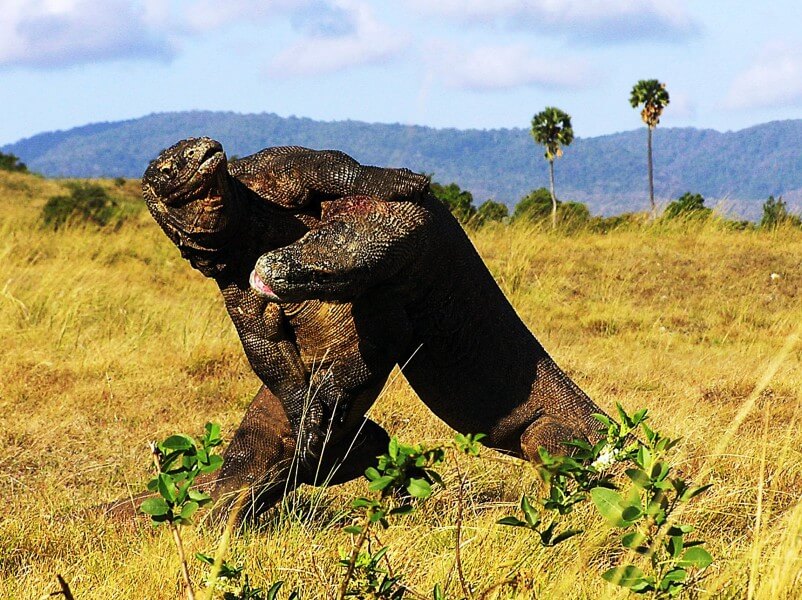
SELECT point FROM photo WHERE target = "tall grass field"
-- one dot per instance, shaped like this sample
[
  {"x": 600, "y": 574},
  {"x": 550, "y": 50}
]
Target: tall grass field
[{"x": 108, "y": 339}]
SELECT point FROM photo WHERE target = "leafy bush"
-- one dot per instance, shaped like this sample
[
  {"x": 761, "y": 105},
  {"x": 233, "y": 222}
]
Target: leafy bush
[
  {"x": 458, "y": 201},
  {"x": 87, "y": 203},
  {"x": 9, "y": 162},
  {"x": 490, "y": 211},
  {"x": 535, "y": 207},
  {"x": 687, "y": 206},
  {"x": 775, "y": 213}
]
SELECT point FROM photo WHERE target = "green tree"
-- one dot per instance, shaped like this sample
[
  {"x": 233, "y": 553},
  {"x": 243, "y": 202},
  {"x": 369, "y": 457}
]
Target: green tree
[
  {"x": 654, "y": 97},
  {"x": 688, "y": 205},
  {"x": 775, "y": 213},
  {"x": 9, "y": 162},
  {"x": 535, "y": 206},
  {"x": 552, "y": 129},
  {"x": 458, "y": 201},
  {"x": 490, "y": 210}
]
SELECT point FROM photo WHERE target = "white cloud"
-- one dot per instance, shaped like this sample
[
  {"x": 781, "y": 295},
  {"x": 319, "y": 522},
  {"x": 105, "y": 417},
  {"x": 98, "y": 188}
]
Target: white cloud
[
  {"x": 586, "y": 20},
  {"x": 505, "y": 67},
  {"x": 327, "y": 48},
  {"x": 773, "y": 80},
  {"x": 52, "y": 33},
  {"x": 200, "y": 16}
]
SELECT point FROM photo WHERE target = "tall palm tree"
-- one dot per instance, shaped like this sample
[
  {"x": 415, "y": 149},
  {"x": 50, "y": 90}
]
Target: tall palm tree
[
  {"x": 552, "y": 129},
  {"x": 654, "y": 97}
]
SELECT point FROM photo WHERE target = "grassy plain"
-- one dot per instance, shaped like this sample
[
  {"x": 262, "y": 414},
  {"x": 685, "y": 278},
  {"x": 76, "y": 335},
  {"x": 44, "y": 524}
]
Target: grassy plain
[{"x": 108, "y": 339}]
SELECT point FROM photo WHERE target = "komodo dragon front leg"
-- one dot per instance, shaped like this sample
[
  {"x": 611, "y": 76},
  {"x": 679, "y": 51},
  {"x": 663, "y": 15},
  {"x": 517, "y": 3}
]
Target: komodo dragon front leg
[
  {"x": 362, "y": 243},
  {"x": 273, "y": 355},
  {"x": 295, "y": 177}
]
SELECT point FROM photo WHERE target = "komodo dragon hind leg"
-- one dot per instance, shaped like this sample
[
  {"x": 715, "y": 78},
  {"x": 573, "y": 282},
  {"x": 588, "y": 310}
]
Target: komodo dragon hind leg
[{"x": 260, "y": 464}]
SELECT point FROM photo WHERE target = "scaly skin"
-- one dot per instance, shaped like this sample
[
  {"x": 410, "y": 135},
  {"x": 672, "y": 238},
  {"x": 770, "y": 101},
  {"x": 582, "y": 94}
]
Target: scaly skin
[
  {"x": 317, "y": 369},
  {"x": 472, "y": 361}
]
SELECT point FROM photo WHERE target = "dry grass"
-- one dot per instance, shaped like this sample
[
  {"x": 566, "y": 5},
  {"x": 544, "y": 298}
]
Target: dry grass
[{"x": 108, "y": 339}]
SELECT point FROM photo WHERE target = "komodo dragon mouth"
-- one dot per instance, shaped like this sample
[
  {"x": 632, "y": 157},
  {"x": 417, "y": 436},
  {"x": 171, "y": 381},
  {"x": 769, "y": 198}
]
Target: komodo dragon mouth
[{"x": 260, "y": 286}]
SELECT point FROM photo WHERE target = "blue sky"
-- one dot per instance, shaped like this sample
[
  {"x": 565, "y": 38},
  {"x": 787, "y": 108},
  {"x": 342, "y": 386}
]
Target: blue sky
[{"x": 443, "y": 63}]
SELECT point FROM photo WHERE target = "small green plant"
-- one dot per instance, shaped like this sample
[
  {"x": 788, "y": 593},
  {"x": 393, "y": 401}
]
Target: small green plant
[
  {"x": 179, "y": 460},
  {"x": 236, "y": 585},
  {"x": 86, "y": 203},
  {"x": 645, "y": 512},
  {"x": 403, "y": 476}
]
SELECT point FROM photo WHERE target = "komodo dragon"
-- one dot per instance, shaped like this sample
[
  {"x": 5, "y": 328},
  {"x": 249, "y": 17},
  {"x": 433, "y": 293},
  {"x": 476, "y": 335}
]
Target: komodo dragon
[
  {"x": 471, "y": 359},
  {"x": 222, "y": 218}
]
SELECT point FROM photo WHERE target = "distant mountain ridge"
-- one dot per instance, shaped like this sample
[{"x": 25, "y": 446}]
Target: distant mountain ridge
[{"x": 608, "y": 172}]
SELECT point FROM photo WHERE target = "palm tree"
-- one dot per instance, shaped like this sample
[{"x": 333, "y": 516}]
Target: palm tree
[
  {"x": 552, "y": 129},
  {"x": 654, "y": 97}
]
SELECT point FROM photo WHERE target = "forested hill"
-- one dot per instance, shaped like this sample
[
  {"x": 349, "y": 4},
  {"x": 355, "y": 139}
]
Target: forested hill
[{"x": 607, "y": 172}]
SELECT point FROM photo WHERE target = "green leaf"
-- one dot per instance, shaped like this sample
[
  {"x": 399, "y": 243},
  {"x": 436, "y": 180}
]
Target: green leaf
[
  {"x": 625, "y": 418},
  {"x": 272, "y": 593},
  {"x": 674, "y": 575},
  {"x": 392, "y": 448},
  {"x": 380, "y": 483},
  {"x": 693, "y": 492},
  {"x": 198, "y": 496},
  {"x": 695, "y": 557},
  {"x": 628, "y": 576},
  {"x": 530, "y": 514},
  {"x": 674, "y": 545},
  {"x": 567, "y": 534},
  {"x": 404, "y": 509},
  {"x": 189, "y": 509},
  {"x": 639, "y": 478},
  {"x": 353, "y": 530},
  {"x": 634, "y": 539},
  {"x": 419, "y": 488},
  {"x": 511, "y": 521},
  {"x": 166, "y": 487},
  {"x": 215, "y": 462},
  {"x": 609, "y": 503},
  {"x": 179, "y": 442},
  {"x": 372, "y": 474},
  {"x": 154, "y": 507},
  {"x": 213, "y": 434},
  {"x": 631, "y": 514}
]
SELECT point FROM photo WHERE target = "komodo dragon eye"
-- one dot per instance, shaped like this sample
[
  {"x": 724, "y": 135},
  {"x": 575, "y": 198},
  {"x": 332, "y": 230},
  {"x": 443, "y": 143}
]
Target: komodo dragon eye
[{"x": 166, "y": 169}]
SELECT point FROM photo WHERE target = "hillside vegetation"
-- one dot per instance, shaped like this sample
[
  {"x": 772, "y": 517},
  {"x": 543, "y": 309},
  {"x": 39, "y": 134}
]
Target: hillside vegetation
[
  {"x": 740, "y": 168},
  {"x": 109, "y": 339}
]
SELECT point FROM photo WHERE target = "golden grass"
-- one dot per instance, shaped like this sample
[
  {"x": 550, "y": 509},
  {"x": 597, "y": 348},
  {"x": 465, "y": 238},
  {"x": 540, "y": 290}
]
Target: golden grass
[{"x": 108, "y": 339}]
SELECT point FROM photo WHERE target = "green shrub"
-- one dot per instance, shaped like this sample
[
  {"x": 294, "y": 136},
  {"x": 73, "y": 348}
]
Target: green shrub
[
  {"x": 490, "y": 211},
  {"x": 535, "y": 207},
  {"x": 9, "y": 162},
  {"x": 687, "y": 206},
  {"x": 458, "y": 201},
  {"x": 87, "y": 203},
  {"x": 775, "y": 213}
]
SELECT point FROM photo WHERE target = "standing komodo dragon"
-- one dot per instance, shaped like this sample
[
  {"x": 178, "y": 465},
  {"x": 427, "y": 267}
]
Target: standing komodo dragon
[
  {"x": 471, "y": 359},
  {"x": 316, "y": 368}
]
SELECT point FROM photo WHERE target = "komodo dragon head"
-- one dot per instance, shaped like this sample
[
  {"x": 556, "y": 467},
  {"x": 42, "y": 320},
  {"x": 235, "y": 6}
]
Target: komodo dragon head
[{"x": 188, "y": 191}]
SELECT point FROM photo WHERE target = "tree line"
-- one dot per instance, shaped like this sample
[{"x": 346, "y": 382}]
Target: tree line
[{"x": 552, "y": 129}]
